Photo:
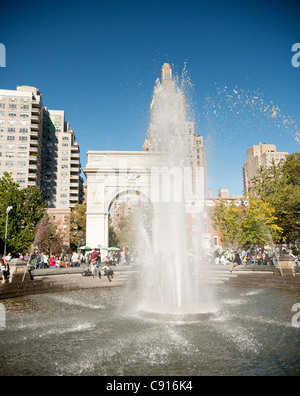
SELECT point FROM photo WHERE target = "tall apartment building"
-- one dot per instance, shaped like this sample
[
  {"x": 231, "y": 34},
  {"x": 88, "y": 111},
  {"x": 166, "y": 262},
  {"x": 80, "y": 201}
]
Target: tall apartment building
[
  {"x": 38, "y": 147},
  {"x": 21, "y": 135},
  {"x": 262, "y": 155},
  {"x": 61, "y": 181},
  {"x": 194, "y": 141}
]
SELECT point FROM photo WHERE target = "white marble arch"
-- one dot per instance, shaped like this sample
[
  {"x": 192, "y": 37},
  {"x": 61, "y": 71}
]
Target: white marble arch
[{"x": 109, "y": 175}]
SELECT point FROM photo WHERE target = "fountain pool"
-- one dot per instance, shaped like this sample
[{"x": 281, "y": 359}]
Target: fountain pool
[{"x": 90, "y": 332}]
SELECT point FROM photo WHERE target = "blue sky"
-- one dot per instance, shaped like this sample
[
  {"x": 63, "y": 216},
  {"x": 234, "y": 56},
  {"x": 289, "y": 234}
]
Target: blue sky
[{"x": 98, "y": 61}]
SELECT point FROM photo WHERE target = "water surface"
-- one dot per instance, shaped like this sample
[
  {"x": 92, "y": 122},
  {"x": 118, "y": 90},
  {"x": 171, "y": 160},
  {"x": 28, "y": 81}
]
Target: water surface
[{"x": 89, "y": 332}]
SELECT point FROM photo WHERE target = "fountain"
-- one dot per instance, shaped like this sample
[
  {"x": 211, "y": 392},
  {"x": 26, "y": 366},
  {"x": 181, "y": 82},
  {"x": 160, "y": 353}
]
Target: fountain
[
  {"x": 174, "y": 283},
  {"x": 256, "y": 332}
]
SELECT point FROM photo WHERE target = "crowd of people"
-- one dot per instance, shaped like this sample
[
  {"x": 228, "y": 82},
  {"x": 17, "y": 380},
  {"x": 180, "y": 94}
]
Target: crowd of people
[
  {"x": 92, "y": 259},
  {"x": 251, "y": 257},
  {"x": 41, "y": 260}
]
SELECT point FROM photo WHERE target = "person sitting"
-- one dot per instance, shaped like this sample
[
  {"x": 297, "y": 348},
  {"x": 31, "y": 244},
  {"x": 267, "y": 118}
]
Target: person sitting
[
  {"x": 236, "y": 262},
  {"x": 223, "y": 259},
  {"x": 249, "y": 257},
  {"x": 52, "y": 261},
  {"x": 108, "y": 271},
  {"x": 259, "y": 257}
]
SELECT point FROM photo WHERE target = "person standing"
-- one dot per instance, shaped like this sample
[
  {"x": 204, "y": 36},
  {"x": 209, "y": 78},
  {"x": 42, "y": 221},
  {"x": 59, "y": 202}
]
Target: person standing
[
  {"x": 41, "y": 261},
  {"x": 123, "y": 258},
  {"x": 3, "y": 271},
  {"x": 94, "y": 257}
]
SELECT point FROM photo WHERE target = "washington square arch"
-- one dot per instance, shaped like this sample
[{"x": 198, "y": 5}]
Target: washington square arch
[{"x": 112, "y": 174}]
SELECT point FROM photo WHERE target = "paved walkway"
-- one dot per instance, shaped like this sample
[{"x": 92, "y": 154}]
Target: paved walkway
[
  {"x": 64, "y": 279},
  {"x": 55, "y": 280}
]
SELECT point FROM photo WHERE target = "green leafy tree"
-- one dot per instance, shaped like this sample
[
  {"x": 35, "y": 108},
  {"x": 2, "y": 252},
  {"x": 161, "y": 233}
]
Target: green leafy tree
[
  {"x": 112, "y": 235},
  {"x": 127, "y": 230},
  {"x": 28, "y": 208},
  {"x": 279, "y": 185},
  {"x": 259, "y": 224},
  {"x": 78, "y": 226},
  {"x": 228, "y": 219},
  {"x": 251, "y": 223}
]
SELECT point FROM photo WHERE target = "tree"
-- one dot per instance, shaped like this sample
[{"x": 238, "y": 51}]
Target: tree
[
  {"x": 112, "y": 235},
  {"x": 129, "y": 226},
  {"x": 28, "y": 208},
  {"x": 47, "y": 239},
  {"x": 252, "y": 223},
  {"x": 127, "y": 230},
  {"x": 279, "y": 185},
  {"x": 78, "y": 226},
  {"x": 259, "y": 226},
  {"x": 228, "y": 219}
]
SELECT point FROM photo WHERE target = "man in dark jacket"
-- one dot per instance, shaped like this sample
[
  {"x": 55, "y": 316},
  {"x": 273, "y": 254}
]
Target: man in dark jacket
[{"x": 236, "y": 262}]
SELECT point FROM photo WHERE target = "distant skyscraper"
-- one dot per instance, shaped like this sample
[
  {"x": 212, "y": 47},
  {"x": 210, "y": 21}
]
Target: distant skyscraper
[
  {"x": 258, "y": 156},
  {"x": 196, "y": 147}
]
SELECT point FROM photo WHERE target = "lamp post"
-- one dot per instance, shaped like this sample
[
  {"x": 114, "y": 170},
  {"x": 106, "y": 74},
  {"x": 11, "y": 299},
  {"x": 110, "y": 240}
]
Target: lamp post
[{"x": 7, "y": 211}]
